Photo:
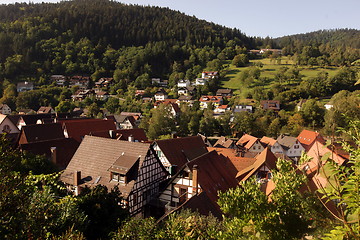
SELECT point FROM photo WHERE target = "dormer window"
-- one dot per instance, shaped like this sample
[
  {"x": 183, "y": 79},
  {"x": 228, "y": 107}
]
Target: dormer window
[{"x": 118, "y": 177}]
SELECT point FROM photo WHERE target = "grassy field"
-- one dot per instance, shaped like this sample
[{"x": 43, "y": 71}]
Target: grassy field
[{"x": 269, "y": 69}]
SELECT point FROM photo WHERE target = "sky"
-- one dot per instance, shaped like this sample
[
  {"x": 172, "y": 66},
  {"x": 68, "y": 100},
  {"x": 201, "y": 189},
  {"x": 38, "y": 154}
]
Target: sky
[{"x": 263, "y": 18}]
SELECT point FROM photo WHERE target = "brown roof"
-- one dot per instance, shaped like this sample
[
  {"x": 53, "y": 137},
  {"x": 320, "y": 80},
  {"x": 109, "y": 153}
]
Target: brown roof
[
  {"x": 179, "y": 151},
  {"x": 267, "y": 141},
  {"x": 44, "y": 110},
  {"x": 33, "y": 118},
  {"x": 202, "y": 204},
  {"x": 213, "y": 174},
  {"x": 239, "y": 163},
  {"x": 270, "y": 104},
  {"x": 247, "y": 141},
  {"x": 223, "y": 142},
  {"x": 265, "y": 157},
  {"x": 124, "y": 134},
  {"x": 286, "y": 141},
  {"x": 77, "y": 129},
  {"x": 95, "y": 156},
  {"x": 224, "y": 91},
  {"x": 65, "y": 149},
  {"x": 40, "y": 132}
]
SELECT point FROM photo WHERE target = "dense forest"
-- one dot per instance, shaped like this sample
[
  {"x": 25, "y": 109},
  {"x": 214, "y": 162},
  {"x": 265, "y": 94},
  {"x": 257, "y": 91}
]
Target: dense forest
[{"x": 324, "y": 47}]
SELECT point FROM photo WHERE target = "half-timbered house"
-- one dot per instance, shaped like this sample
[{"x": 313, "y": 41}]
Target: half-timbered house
[
  {"x": 208, "y": 173},
  {"x": 133, "y": 167},
  {"x": 250, "y": 143}
]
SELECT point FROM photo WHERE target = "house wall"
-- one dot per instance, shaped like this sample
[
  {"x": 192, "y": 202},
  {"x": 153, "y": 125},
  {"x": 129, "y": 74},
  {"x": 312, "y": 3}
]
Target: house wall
[
  {"x": 256, "y": 147},
  {"x": 276, "y": 148},
  {"x": 171, "y": 195},
  {"x": 7, "y": 126},
  {"x": 295, "y": 150},
  {"x": 164, "y": 161},
  {"x": 6, "y": 110},
  {"x": 150, "y": 175}
]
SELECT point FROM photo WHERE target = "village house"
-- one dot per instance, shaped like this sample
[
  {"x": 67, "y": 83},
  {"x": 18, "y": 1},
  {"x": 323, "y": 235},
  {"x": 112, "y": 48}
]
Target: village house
[
  {"x": 45, "y": 110},
  {"x": 250, "y": 143},
  {"x": 78, "y": 128},
  {"x": 133, "y": 167},
  {"x": 7, "y": 125},
  {"x": 175, "y": 153},
  {"x": 273, "y": 51},
  {"x": 80, "y": 95},
  {"x": 183, "y": 83},
  {"x": 224, "y": 142},
  {"x": 81, "y": 81},
  {"x": 102, "y": 95},
  {"x": 5, "y": 109},
  {"x": 123, "y": 121},
  {"x": 292, "y": 147},
  {"x": 273, "y": 145},
  {"x": 210, "y": 74},
  {"x": 160, "y": 83},
  {"x": 58, "y": 151},
  {"x": 221, "y": 109},
  {"x": 137, "y": 116},
  {"x": 329, "y": 105},
  {"x": 264, "y": 163},
  {"x": 200, "y": 81},
  {"x": 30, "y": 119},
  {"x": 300, "y": 104},
  {"x": 270, "y": 105},
  {"x": 226, "y": 93},
  {"x": 104, "y": 82},
  {"x": 207, "y": 174},
  {"x": 243, "y": 108},
  {"x": 185, "y": 99},
  {"x": 307, "y": 138},
  {"x": 40, "y": 132},
  {"x": 205, "y": 101},
  {"x": 24, "y": 86},
  {"x": 60, "y": 80},
  {"x": 131, "y": 135},
  {"x": 160, "y": 95}
]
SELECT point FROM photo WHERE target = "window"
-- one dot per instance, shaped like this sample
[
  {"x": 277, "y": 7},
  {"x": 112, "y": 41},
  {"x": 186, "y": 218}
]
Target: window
[
  {"x": 254, "y": 147},
  {"x": 259, "y": 147},
  {"x": 118, "y": 177},
  {"x": 296, "y": 146},
  {"x": 6, "y": 129},
  {"x": 159, "y": 153}
]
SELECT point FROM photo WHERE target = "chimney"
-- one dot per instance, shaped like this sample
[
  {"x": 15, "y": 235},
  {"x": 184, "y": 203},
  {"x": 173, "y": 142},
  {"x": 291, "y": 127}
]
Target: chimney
[
  {"x": 77, "y": 178},
  {"x": 195, "y": 180},
  {"x": 131, "y": 138},
  {"x": 53, "y": 155},
  {"x": 112, "y": 134}
]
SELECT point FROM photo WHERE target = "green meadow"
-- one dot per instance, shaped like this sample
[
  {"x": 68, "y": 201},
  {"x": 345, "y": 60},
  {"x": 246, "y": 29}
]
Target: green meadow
[{"x": 269, "y": 70}]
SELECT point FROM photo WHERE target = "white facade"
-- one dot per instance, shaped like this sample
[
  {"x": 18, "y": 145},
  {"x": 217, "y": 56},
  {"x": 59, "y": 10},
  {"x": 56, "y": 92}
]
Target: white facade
[
  {"x": 277, "y": 148},
  {"x": 200, "y": 81},
  {"x": 7, "y": 126},
  {"x": 257, "y": 147},
  {"x": 183, "y": 83},
  {"x": 295, "y": 150},
  {"x": 5, "y": 109},
  {"x": 160, "y": 97}
]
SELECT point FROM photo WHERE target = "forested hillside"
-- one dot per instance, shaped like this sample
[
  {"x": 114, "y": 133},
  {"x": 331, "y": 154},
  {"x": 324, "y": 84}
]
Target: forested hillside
[
  {"x": 89, "y": 36},
  {"x": 335, "y": 47}
]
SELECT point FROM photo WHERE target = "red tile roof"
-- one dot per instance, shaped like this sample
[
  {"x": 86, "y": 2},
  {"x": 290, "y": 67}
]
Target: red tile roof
[
  {"x": 77, "y": 129},
  {"x": 124, "y": 134},
  {"x": 213, "y": 174},
  {"x": 210, "y": 98},
  {"x": 40, "y": 132},
  {"x": 265, "y": 157},
  {"x": 267, "y": 141},
  {"x": 65, "y": 149},
  {"x": 247, "y": 141},
  {"x": 307, "y": 138}
]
